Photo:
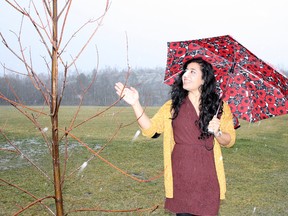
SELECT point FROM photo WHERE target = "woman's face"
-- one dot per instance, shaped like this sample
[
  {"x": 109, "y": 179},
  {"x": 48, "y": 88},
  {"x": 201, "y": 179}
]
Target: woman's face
[{"x": 192, "y": 78}]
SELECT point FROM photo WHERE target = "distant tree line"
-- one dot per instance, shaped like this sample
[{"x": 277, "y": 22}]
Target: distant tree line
[{"x": 149, "y": 83}]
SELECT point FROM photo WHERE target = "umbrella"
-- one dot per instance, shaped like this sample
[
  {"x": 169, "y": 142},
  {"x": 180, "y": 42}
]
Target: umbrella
[{"x": 253, "y": 89}]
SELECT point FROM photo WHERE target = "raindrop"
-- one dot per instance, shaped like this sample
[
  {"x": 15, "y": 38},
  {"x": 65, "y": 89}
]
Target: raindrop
[
  {"x": 83, "y": 166},
  {"x": 136, "y": 135}
]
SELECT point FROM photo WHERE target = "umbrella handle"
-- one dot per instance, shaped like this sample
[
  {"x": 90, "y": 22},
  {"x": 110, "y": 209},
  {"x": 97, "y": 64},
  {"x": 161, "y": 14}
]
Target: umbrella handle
[
  {"x": 210, "y": 131},
  {"x": 218, "y": 107}
]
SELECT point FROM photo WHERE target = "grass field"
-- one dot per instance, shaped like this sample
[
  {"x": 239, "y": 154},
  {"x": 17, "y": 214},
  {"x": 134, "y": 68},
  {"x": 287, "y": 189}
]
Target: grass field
[{"x": 256, "y": 167}]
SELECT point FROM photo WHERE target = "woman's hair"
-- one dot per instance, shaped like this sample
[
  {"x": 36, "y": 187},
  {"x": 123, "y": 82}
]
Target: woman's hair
[{"x": 209, "y": 99}]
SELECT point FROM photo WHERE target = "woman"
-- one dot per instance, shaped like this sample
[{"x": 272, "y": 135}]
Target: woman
[{"x": 193, "y": 168}]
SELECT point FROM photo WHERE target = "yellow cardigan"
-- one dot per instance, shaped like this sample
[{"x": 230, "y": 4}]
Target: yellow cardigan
[{"x": 162, "y": 123}]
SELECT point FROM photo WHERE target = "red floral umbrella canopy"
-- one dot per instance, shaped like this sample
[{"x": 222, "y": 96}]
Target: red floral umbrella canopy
[{"x": 253, "y": 89}]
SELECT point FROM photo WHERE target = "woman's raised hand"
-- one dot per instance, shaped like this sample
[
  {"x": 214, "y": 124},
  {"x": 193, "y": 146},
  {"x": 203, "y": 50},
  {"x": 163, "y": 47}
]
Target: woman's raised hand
[{"x": 129, "y": 94}]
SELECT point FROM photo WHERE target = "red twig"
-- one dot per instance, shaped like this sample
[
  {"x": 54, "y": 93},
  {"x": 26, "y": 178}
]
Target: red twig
[
  {"x": 112, "y": 165},
  {"x": 9, "y": 150},
  {"x": 12, "y": 89},
  {"x": 15, "y": 104},
  {"x": 153, "y": 208},
  {"x": 26, "y": 192},
  {"x": 84, "y": 92},
  {"x": 101, "y": 18},
  {"x": 21, "y": 153},
  {"x": 32, "y": 204},
  {"x": 97, "y": 114},
  {"x": 32, "y": 119},
  {"x": 98, "y": 152}
]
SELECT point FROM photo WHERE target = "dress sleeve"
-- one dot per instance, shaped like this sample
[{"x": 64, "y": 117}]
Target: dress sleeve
[{"x": 227, "y": 125}]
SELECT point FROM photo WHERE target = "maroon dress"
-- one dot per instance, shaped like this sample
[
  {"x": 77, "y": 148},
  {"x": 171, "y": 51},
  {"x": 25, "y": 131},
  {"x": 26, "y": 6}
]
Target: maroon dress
[{"x": 195, "y": 183}]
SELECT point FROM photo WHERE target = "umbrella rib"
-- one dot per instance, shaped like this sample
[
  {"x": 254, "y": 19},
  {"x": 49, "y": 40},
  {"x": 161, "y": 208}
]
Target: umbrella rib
[
  {"x": 259, "y": 78},
  {"x": 172, "y": 76}
]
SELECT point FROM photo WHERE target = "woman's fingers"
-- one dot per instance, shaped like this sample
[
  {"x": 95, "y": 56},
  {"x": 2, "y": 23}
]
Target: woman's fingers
[
  {"x": 119, "y": 89},
  {"x": 128, "y": 94},
  {"x": 214, "y": 125}
]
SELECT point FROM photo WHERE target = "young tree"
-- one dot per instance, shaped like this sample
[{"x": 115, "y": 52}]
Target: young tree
[
  {"x": 49, "y": 24},
  {"x": 49, "y": 19}
]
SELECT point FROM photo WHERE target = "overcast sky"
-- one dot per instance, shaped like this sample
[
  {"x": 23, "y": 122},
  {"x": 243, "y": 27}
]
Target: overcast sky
[{"x": 259, "y": 25}]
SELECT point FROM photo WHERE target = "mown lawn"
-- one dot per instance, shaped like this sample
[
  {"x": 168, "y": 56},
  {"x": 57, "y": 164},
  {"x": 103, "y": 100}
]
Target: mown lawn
[{"x": 256, "y": 167}]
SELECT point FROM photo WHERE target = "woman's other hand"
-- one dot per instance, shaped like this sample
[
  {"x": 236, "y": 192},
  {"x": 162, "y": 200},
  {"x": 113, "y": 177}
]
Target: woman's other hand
[{"x": 214, "y": 125}]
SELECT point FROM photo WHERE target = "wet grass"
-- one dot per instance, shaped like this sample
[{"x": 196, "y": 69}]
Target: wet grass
[{"x": 256, "y": 167}]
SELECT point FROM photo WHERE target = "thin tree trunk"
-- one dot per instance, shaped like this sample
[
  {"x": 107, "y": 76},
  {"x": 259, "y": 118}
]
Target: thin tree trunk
[{"x": 54, "y": 116}]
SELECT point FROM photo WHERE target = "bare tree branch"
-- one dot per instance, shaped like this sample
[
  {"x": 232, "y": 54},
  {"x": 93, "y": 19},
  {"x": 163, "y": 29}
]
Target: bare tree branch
[
  {"x": 16, "y": 7},
  {"x": 23, "y": 155},
  {"x": 112, "y": 165},
  {"x": 28, "y": 193},
  {"x": 151, "y": 209},
  {"x": 15, "y": 104},
  {"x": 84, "y": 91},
  {"x": 68, "y": 4},
  {"x": 101, "y": 18},
  {"x": 32, "y": 204}
]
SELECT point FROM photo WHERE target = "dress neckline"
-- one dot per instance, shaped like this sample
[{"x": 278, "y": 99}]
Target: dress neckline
[{"x": 193, "y": 107}]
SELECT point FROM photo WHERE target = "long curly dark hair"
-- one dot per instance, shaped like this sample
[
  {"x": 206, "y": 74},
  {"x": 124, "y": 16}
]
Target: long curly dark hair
[{"x": 209, "y": 99}]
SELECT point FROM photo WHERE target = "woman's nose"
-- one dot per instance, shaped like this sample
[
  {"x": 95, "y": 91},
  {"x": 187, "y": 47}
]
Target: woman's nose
[{"x": 185, "y": 74}]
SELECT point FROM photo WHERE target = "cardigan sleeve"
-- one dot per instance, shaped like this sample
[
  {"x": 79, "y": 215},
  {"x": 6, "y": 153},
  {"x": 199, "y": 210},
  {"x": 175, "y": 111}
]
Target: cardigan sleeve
[
  {"x": 227, "y": 125},
  {"x": 157, "y": 122}
]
